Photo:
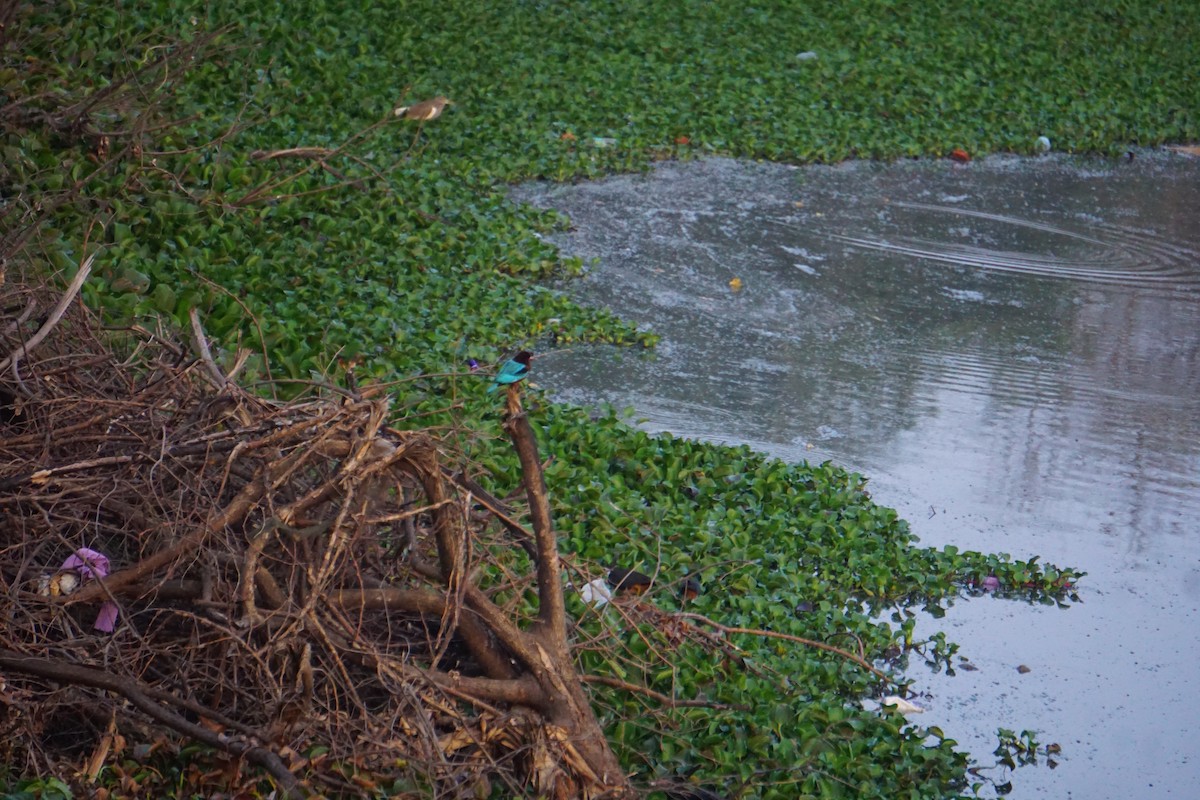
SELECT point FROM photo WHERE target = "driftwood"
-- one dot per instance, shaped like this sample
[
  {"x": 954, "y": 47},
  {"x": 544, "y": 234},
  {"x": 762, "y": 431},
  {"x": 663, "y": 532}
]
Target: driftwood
[{"x": 286, "y": 576}]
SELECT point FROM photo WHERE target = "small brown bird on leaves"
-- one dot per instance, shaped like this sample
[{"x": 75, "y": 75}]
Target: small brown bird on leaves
[{"x": 424, "y": 110}]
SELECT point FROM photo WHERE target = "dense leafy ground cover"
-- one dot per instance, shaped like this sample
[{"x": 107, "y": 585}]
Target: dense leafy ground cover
[{"x": 400, "y": 253}]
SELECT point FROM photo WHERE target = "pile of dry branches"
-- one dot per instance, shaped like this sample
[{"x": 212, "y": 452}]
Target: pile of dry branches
[{"x": 294, "y": 585}]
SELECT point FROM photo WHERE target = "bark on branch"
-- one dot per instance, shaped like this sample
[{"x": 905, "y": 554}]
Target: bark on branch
[{"x": 552, "y": 613}]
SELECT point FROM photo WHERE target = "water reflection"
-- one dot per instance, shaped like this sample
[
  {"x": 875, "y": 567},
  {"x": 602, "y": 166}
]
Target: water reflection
[
  {"x": 1009, "y": 349},
  {"x": 1062, "y": 321}
]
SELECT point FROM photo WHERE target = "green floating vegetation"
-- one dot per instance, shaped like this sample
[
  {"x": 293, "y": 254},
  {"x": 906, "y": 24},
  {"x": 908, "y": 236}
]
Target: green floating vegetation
[
  {"x": 242, "y": 158},
  {"x": 794, "y": 549},
  {"x": 359, "y": 254}
]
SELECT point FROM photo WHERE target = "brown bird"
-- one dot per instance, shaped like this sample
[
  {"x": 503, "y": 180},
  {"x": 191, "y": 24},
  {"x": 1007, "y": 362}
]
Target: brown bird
[
  {"x": 424, "y": 110},
  {"x": 690, "y": 589},
  {"x": 628, "y": 580}
]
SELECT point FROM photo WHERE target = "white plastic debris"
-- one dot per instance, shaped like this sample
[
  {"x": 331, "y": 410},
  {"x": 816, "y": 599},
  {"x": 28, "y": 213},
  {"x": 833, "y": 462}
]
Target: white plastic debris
[
  {"x": 897, "y": 703},
  {"x": 807, "y": 55},
  {"x": 60, "y": 584},
  {"x": 597, "y": 593},
  {"x": 1043, "y": 144}
]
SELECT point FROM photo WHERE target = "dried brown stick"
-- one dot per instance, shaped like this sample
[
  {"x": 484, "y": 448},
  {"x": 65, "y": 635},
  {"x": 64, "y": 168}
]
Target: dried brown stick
[
  {"x": 401, "y": 516},
  {"x": 248, "y": 575},
  {"x": 787, "y": 637},
  {"x": 499, "y": 511},
  {"x": 19, "y": 320},
  {"x": 431, "y": 604},
  {"x": 133, "y": 691},
  {"x": 266, "y": 359},
  {"x": 669, "y": 702},
  {"x": 447, "y": 531},
  {"x": 43, "y": 475},
  {"x": 116, "y": 582},
  {"x": 266, "y": 189},
  {"x": 218, "y": 378},
  {"x": 521, "y": 691},
  {"x": 69, "y": 295},
  {"x": 291, "y": 152}
]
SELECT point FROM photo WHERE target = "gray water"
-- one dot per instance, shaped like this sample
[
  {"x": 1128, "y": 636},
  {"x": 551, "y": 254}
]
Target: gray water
[{"x": 1008, "y": 349}]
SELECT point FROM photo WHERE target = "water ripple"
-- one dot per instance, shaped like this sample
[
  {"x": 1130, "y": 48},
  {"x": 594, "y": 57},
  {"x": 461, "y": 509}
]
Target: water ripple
[{"x": 1114, "y": 255}]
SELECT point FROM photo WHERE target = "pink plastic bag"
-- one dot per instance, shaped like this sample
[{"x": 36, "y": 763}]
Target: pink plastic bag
[{"x": 91, "y": 565}]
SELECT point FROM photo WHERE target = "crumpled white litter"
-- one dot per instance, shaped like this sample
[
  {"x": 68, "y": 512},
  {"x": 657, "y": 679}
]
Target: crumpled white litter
[{"x": 597, "y": 593}]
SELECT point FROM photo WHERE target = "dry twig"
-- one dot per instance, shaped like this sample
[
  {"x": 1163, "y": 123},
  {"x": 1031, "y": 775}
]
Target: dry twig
[{"x": 255, "y": 571}]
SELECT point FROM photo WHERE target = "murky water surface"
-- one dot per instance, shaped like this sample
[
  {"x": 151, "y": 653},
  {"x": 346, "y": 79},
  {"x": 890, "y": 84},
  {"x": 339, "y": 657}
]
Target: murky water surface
[{"x": 1009, "y": 349}]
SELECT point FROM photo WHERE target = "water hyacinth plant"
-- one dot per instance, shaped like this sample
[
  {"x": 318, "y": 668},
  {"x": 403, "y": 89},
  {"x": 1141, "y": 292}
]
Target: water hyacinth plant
[{"x": 245, "y": 160}]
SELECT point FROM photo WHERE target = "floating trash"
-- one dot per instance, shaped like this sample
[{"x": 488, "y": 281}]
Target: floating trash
[
  {"x": 895, "y": 702},
  {"x": 81, "y": 566},
  {"x": 596, "y": 593}
]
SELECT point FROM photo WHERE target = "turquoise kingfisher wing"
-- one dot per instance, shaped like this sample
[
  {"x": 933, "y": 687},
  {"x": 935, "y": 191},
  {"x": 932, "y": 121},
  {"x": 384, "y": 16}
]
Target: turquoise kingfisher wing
[{"x": 512, "y": 370}]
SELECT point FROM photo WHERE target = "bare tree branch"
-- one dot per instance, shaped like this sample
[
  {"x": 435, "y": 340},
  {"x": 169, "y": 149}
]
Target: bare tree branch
[{"x": 552, "y": 613}]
